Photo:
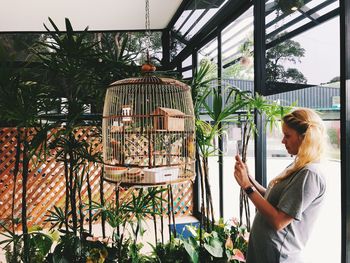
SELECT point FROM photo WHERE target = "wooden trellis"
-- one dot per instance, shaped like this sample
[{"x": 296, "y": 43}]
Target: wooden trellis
[{"x": 46, "y": 183}]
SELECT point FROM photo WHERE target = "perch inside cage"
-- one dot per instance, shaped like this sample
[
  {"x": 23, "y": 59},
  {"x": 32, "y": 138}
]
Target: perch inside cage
[{"x": 148, "y": 131}]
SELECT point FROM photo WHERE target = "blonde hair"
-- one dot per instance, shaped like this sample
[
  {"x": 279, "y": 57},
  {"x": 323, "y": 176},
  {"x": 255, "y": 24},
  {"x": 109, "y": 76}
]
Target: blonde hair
[{"x": 308, "y": 124}]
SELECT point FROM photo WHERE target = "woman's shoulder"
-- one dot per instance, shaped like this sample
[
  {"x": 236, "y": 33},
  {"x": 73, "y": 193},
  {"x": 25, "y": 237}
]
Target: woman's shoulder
[
  {"x": 313, "y": 170},
  {"x": 314, "y": 167}
]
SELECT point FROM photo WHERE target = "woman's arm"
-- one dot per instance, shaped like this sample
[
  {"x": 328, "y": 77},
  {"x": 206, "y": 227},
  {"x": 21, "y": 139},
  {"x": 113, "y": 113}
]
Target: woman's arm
[
  {"x": 277, "y": 218},
  {"x": 259, "y": 187}
]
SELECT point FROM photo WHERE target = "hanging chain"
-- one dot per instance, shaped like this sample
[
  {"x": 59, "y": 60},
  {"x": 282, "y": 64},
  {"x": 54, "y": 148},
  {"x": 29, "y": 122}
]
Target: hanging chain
[{"x": 148, "y": 29}]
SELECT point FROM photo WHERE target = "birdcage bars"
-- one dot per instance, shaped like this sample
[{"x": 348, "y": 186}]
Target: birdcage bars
[{"x": 148, "y": 131}]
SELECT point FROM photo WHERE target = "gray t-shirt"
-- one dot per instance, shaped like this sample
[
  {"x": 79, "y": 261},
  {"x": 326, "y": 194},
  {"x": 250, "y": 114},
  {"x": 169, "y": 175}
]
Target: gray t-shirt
[{"x": 300, "y": 196}]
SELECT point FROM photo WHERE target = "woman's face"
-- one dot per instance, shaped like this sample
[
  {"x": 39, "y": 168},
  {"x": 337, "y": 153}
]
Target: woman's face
[{"x": 291, "y": 139}]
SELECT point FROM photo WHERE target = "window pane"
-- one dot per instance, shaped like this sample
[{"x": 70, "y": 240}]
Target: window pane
[{"x": 325, "y": 228}]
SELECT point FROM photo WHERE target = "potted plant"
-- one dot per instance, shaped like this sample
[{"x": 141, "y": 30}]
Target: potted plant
[{"x": 227, "y": 242}]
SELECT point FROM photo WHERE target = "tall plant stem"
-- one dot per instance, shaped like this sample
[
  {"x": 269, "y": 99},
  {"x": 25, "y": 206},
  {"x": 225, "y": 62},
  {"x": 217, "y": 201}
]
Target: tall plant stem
[
  {"x": 81, "y": 214},
  {"x": 246, "y": 137},
  {"x": 24, "y": 198},
  {"x": 15, "y": 174},
  {"x": 243, "y": 199},
  {"x": 72, "y": 191},
  {"x": 89, "y": 201},
  {"x": 117, "y": 189},
  {"x": 169, "y": 213},
  {"x": 154, "y": 218},
  {"x": 102, "y": 199},
  {"x": 207, "y": 207},
  {"x": 200, "y": 174},
  {"x": 120, "y": 244},
  {"x": 161, "y": 216},
  {"x": 247, "y": 212},
  {"x": 66, "y": 208},
  {"x": 138, "y": 224},
  {"x": 172, "y": 209},
  {"x": 208, "y": 193}
]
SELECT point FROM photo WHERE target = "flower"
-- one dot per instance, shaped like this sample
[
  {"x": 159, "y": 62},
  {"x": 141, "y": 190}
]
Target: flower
[
  {"x": 235, "y": 221},
  {"x": 238, "y": 255},
  {"x": 229, "y": 243},
  {"x": 246, "y": 237}
]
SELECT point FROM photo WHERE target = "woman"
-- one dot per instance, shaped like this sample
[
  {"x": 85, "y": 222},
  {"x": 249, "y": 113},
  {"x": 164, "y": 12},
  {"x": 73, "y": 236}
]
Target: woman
[{"x": 287, "y": 209}]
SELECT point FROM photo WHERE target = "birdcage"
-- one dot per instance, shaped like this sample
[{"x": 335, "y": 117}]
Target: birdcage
[{"x": 148, "y": 131}]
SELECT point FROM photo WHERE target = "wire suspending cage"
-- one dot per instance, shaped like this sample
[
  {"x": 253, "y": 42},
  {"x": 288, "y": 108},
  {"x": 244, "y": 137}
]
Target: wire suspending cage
[{"x": 148, "y": 132}]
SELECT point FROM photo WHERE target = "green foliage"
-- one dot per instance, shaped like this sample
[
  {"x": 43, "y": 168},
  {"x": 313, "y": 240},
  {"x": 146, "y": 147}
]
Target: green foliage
[
  {"x": 333, "y": 136},
  {"x": 56, "y": 217},
  {"x": 39, "y": 245},
  {"x": 220, "y": 245},
  {"x": 238, "y": 71},
  {"x": 79, "y": 68},
  {"x": 130, "y": 214},
  {"x": 287, "y": 51},
  {"x": 21, "y": 103},
  {"x": 171, "y": 252},
  {"x": 132, "y": 211},
  {"x": 201, "y": 85},
  {"x": 18, "y": 45},
  {"x": 224, "y": 104},
  {"x": 21, "y": 100},
  {"x": 335, "y": 79}
]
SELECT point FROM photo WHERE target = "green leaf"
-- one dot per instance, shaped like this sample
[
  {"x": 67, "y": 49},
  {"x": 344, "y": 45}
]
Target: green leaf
[
  {"x": 192, "y": 247},
  {"x": 214, "y": 247},
  {"x": 41, "y": 242}
]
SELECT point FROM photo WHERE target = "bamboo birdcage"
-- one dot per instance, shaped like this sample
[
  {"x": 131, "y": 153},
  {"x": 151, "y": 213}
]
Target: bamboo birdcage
[{"x": 148, "y": 131}]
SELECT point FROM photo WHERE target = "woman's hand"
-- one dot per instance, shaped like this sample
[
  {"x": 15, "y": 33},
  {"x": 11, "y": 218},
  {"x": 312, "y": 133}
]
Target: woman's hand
[{"x": 241, "y": 173}]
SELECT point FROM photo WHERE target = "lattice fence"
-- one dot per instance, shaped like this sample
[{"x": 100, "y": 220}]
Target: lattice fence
[{"x": 46, "y": 182}]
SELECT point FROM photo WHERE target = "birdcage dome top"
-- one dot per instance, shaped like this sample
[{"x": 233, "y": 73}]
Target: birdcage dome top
[{"x": 152, "y": 80}]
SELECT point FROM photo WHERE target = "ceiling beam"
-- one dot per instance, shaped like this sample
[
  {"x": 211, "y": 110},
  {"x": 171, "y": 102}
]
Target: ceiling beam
[
  {"x": 303, "y": 28},
  {"x": 228, "y": 13},
  {"x": 300, "y": 17},
  {"x": 279, "y": 17},
  {"x": 212, "y": 5},
  {"x": 178, "y": 13}
]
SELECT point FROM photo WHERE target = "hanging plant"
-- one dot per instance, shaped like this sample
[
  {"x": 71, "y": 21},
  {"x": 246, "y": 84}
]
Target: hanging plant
[
  {"x": 245, "y": 49},
  {"x": 287, "y": 7}
]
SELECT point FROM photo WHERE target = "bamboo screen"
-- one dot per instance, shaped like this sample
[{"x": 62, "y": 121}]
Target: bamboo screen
[
  {"x": 148, "y": 131},
  {"x": 46, "y": 183}
]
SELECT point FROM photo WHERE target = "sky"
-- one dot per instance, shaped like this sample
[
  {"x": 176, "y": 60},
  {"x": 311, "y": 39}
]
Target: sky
[{"x": 322, "y": 57}]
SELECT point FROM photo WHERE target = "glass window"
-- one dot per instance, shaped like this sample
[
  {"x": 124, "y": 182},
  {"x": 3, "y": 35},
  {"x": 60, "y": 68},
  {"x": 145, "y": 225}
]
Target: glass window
[
  {"x": 194, "y": 18},
  {"x": 307, "y": 63},
  {"x": 326, "y": 235},
  {"x": 237, "y": 48},
  {"x": 294, "y": 60}
]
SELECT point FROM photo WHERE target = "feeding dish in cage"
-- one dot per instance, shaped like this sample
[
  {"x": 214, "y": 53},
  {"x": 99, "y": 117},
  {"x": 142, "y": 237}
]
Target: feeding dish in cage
[
  {"x": 114, "y": 173},
  {"x": 161, "y": 174},
  {"x": 133, "y": 175}
]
